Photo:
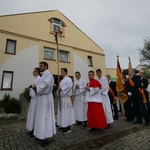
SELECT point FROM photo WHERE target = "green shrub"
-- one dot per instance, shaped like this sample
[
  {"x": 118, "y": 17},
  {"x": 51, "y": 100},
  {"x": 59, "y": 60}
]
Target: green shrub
[{"x": 11, "y": 105}]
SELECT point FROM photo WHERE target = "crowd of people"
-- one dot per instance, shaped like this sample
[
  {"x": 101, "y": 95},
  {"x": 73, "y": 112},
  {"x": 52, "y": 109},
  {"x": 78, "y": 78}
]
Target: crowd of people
[
  {"x": 94, "y": 105},
  {"x": 137, "y": 106}
]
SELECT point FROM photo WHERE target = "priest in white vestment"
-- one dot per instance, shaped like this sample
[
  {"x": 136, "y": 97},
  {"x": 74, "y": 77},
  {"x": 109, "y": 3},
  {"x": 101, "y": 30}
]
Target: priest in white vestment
[
  {"x": 104, "y": 93},
  {"x": 65, "y": 115},
  {"x": 45, "y": 127},
  {"x": 32, "y": 105},
  {"x": 80, "y": 104}
]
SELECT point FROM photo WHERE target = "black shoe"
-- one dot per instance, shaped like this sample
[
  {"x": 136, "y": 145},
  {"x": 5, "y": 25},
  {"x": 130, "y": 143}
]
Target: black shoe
[
  {"x": 84, "y": 125},
  {"x": 45, "y": 143},
  {"x": 92, "y": 130},
  {"x": 57, "y": 125},
  {"x": 60, "y": 128},
  {"x": 66, "y": 131},
  {"x": 30, "y": 133},
  {"x": 78, "y": 123}
]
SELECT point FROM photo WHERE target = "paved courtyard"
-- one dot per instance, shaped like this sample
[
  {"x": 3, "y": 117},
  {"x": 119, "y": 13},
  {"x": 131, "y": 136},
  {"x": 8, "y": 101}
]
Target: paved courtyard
[{"x": 121, "y": 136}]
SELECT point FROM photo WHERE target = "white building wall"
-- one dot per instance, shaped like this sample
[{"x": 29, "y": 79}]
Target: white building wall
[
  {"x": 22, "y": 64},
  {"x": 81, "y": 66}
]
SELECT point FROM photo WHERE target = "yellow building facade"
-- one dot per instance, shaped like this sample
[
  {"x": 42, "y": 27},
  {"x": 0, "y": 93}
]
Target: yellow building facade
[
  {"x": 26, "y": 39},
  {"x": 112, "y": 73}
]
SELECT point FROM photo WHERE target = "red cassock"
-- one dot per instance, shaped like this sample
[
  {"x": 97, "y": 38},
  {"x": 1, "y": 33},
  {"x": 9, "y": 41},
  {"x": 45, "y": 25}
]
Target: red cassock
[{"x": 95, "y": 114}]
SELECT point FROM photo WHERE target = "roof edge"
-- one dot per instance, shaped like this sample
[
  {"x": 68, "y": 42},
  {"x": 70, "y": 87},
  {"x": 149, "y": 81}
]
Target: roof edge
[{"x": 29, "y": 13}]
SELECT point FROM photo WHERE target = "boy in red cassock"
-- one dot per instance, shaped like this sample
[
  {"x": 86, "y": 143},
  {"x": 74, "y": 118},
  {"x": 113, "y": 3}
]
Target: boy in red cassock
[{"x": 95, "y": 114}]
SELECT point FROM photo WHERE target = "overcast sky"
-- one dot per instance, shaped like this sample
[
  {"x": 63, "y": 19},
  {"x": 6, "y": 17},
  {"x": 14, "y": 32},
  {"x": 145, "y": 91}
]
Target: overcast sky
[{"x": 117, "y": 26}]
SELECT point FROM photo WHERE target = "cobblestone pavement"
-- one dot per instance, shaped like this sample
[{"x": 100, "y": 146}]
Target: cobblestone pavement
[{"x": 120, "y": 136}]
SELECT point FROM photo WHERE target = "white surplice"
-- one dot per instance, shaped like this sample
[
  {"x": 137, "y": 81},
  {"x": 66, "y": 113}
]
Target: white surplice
[
  {"x": 45, "y": 119},
  {"x": 94, "y": 95},
  {"x": 32, "y": 107},
  {"x": 106, "y": 101},
  {"x": 80, "y": 105},
  {"x": 65, "y": 115}
]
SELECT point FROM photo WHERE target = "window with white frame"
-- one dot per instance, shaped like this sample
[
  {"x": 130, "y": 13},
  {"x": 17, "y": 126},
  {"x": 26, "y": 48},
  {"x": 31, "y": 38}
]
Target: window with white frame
[
  {"x": 56, "y": 25},
  {"x": 63, "y": 56},
  {"x": 49, "y": 53},
  {"x": 10, "y": 46},
  {"x": 7, "y": 80},
  {"x": 90, "y": 61}
]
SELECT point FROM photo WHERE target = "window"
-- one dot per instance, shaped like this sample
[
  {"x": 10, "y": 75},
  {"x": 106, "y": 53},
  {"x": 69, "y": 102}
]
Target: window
[
  {"x": 64, "y": 56},
  {"x": 7, "y": 80},
  {"x": 90, "y": 61},
  {"x": 10, "y": 46},
  {"x": 49, "y": 53},
  {"x": 57, "y": 25}
]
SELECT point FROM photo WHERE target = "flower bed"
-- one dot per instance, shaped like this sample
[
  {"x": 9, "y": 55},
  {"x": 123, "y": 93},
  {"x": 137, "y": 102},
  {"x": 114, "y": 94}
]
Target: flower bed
[{"x": 9, "y": 116}]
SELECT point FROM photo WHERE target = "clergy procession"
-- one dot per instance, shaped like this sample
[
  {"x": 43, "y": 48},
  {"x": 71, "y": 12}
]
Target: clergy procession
[{"x": 92, "y": 105}]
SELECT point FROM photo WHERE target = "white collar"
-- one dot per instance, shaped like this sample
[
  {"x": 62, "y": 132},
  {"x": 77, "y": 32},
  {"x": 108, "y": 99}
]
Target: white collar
[{"x": 65, "y": 77}]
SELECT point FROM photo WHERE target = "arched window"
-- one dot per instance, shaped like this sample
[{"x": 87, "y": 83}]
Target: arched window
[{"x": 57, "y": 25}]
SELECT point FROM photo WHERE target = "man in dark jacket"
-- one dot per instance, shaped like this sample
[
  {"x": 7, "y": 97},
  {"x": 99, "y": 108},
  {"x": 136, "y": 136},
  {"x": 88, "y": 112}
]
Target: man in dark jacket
[
  {"x": 136, "y": 95},
  {"x": 144, "y": 83},
  {"x": 113, "y": 94}
]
